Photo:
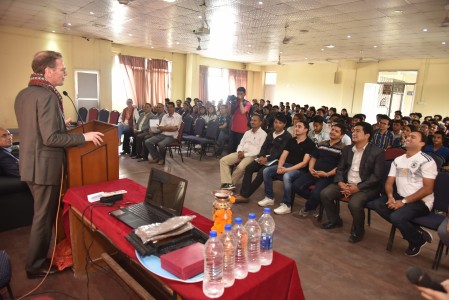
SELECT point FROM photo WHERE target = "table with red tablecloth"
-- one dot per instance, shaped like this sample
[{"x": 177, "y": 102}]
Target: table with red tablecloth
[{"x": 280, "y": 280}]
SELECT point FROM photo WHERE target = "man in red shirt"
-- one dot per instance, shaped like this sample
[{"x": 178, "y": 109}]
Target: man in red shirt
[{"x": 239, "y": 113}]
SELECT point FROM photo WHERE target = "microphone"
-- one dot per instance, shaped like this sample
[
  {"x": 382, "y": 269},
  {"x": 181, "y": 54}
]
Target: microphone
[
  {"x": 73, "y": 103},
  {"x": 418, "y": 277}
]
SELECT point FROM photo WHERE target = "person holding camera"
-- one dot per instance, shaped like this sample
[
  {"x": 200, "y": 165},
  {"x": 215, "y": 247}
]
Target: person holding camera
[{"x": 239, "y": 108}]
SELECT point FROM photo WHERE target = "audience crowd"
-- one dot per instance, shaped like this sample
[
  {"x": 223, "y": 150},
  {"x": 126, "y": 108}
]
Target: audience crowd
[{"x": 317, "y": 153}]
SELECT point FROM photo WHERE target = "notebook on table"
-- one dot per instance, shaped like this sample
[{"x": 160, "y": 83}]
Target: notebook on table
[{"x": 164, "y": 199}]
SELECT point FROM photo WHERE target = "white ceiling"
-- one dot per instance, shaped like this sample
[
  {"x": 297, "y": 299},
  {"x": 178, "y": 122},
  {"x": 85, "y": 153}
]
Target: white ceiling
[{"x": 250, "y": 30}]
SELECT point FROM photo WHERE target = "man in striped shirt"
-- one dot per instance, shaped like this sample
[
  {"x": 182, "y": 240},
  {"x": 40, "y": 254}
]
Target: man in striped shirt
[
  {"x": 322, "y": 168},
  {"x": 383, "y": 138}
]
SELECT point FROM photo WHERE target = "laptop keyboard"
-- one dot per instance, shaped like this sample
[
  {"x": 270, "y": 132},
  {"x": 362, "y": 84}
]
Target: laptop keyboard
[{"x": 148, "y": 213}]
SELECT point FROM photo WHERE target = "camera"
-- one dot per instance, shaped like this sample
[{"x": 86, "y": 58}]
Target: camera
[{"x": 231, "y": 99}]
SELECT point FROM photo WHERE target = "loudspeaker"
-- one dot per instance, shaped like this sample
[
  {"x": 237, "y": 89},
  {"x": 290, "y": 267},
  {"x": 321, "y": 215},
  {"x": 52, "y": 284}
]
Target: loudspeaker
[{"x": 337, "y": 77}]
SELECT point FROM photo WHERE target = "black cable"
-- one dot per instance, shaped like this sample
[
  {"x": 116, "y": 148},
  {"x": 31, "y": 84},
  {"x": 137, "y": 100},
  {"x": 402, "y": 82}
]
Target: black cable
[
  {"x": 87, "y": 250},
  {"x": 101, "y": 268}
]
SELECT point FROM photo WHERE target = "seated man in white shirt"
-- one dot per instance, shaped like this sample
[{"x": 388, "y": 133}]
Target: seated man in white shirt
[
  {"x": 414, "y": 174},
  {"x": 169, "y": 127},
  {"x": 247, "y": 151}
]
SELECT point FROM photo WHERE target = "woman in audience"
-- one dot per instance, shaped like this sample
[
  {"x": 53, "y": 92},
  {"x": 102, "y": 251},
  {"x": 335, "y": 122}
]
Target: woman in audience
[
  {"x": 211, "y": 114},
  {"x": 202, "y": 113},
  {"x": 187, "y": 110},
  {"x": 344, "y": 114},
  {"x": 127, "y": 119},
  {"x": 224, "y": 123},
  {"x": 194, "y": 114}
]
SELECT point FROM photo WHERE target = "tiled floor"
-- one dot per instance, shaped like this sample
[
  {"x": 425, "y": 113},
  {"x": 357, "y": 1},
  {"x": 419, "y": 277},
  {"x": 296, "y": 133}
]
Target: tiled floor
[{"x": 329, "y": 266}]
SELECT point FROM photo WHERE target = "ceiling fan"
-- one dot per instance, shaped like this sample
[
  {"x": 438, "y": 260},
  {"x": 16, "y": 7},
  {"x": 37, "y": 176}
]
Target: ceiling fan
[
  {"x": 279, "y": 61},
  {"x": 204, "y": 29},
  {"x": 199, "y": 48},
  {"x": 445, "y": 22},
  {"x": 363, "y": 59},
  {"x": 66, "y": 25},
  {"x": 287, "y": 39}
]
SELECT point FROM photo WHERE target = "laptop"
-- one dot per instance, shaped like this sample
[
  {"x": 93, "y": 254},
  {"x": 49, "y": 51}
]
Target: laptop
[{"x": 164, "y": 199}]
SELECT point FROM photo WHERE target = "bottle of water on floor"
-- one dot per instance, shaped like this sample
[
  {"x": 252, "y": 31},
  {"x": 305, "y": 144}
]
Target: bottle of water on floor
[
  {"x": 253, "y": 229},
  {"x": 241, "y": 240},
  {"x": 228, "y": 241},
  {"x": 267, "y": 226},
  {"x": 213, "y": 286}
]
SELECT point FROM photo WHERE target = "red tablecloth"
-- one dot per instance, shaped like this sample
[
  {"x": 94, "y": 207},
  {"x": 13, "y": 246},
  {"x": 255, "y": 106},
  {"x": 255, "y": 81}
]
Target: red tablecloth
[{"x": 280, "y": 280}]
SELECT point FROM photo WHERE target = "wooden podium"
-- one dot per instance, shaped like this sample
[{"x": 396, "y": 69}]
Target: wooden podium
[{"x": 90, "y": 164}]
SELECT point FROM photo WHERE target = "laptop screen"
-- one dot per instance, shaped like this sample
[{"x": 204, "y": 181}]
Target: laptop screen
[{"x": 166, "y": 191}]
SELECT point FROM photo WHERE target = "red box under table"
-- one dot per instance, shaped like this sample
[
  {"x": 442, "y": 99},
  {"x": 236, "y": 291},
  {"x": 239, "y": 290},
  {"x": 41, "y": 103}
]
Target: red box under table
[{"x": 185, "y": 262}]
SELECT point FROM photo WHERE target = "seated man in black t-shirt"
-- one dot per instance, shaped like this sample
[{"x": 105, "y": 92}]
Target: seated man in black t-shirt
[
  {"x": 292, "y": 164},
  {"x": 322, "y": 169},
  {"x": 270, "y": 152}
]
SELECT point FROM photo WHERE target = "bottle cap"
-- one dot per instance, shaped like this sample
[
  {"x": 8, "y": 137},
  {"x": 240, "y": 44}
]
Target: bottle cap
[
  {"x": 228, "y": 227},
  {"x": 238, "y": 221},
  {"x": 213, "y": 233},
  {"x": 251, "y": 216},
  {"x": 266, "y": 210}
]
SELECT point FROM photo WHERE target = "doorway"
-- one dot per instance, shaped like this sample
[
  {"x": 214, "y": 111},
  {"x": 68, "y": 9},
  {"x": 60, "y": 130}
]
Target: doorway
[{"x": 394, "y": 90}]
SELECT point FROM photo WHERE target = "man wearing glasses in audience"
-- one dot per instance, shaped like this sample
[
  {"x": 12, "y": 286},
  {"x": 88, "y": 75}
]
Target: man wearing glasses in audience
[
  {"x": 9, "y": 164},
  {"x": 383, "y": 138},
  {"x": 358, "y": 177}
]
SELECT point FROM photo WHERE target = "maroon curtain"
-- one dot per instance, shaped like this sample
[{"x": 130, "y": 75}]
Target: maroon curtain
[
  {"x": 136, "y": 85},
  {"x": 157, "y": 80},
  {"x": 203, "y": 90},
  {"x": 237, "y": 78}
]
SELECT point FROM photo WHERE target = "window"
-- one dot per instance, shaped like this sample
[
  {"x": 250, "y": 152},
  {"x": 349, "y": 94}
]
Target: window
[
  {"x": 270, "y": 85},
  {"x": 153, "y": 87},
  {"x": 270, "y": 78},
  {"x": 218, "y": 84}
]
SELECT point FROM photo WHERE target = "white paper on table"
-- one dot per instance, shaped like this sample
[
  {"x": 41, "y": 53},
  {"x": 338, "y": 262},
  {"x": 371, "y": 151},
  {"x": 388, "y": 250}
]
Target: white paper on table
[{"x": 94, "y": 197}]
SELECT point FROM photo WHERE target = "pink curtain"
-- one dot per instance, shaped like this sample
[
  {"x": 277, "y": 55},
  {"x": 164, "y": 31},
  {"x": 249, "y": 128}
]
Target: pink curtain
[
  {"x": 136, "y": 86},
  {"x": 157, "y": 80},
  {"x": 203, "y": 91},
  {"x": 237, "y": 78}
]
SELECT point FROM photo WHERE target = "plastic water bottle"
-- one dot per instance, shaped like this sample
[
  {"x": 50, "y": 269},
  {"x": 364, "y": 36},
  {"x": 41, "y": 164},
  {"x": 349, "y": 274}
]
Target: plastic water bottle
[
  {"x": 253, "y": 229},
  {"x": 267, "y": 226},
  {"x": 228, "y": 241},
  {"x": 213, "y": 286},
  {"x": 241, "y": 241}
]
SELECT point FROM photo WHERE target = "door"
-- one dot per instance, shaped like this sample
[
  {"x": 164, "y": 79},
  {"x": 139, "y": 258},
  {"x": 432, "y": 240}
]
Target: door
[{"x": 87, "y": 89}]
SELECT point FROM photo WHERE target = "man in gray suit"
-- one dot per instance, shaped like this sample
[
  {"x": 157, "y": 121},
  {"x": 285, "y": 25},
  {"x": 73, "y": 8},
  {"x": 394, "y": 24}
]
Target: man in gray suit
[
  {"x": 43, "y": 137},
  {"x": 358, "y": 177},
  {"x": 140, "y": 130}
]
